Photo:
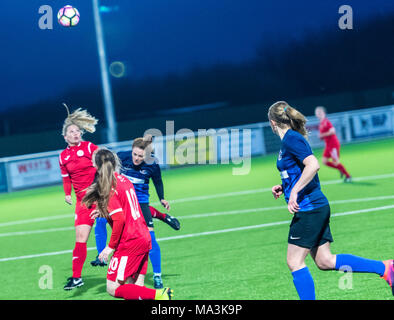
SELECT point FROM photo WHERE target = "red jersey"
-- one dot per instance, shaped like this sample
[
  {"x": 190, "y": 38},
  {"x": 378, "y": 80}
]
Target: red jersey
[
  {"x": 324, "y": 126},
  {"x": 129, "y": 229},
  {"x": 77, "y": 168}
]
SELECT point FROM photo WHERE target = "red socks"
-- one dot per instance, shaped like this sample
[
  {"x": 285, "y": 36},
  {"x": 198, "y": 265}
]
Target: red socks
[
  {"x": 133, "y": 292},
  {"x": 339, "y": 167},
  {"x": 79, "y": 257},
  {"x": 157, "y": 214}
]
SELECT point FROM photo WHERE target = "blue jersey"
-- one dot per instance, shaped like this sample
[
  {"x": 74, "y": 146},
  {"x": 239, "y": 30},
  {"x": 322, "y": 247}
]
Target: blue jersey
[
  {"x": 294, "y": 149},
  {"x": 140, "y": 175}
]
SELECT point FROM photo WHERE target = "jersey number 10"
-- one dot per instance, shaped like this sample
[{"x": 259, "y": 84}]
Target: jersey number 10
[{"x": 133, "y": 201}]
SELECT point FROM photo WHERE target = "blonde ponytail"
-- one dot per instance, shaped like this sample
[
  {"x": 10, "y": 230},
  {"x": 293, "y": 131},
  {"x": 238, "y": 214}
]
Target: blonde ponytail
[
  {"x": 283, "y": 114},
  {"x": 81, "y": 118}
]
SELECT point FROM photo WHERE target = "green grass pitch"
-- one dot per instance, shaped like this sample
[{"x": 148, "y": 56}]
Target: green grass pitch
[{"x": 233, "y": 239}]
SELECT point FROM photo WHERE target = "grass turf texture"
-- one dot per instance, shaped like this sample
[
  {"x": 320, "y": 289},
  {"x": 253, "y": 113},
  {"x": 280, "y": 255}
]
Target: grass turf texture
[{"x": 239, "y": 264}]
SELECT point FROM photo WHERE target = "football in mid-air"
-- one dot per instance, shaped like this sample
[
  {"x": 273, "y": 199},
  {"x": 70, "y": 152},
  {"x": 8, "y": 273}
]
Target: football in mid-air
[{"x": 68, "y": 16}]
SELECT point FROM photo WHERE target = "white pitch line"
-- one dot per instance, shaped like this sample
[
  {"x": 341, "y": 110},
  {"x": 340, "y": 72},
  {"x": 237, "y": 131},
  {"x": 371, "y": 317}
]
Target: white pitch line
[
  {"x": 204, "y": 215},
  {"x": 270, "y": 224},
  {"x": 219, "y": 213},
  {"x": 207, "y": 197},
  {"x": 12, "y": 223},
  {"x": 192, "y": 235},
  {"x": 23, "y": 233},
  {"x": 245, "y": 192},
  {"x": 42, "y": 255}
]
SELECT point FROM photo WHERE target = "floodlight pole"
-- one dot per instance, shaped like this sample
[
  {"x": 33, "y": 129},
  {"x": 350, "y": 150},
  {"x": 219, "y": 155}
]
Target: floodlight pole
[{"x": 105, "y": 81}]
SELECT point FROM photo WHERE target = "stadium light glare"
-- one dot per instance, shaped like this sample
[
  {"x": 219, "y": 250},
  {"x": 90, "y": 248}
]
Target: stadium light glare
[
  {"x": 117, "y": 69},
  {"x": 106, "y": 9},
  {"x": 105, "y": 80}
]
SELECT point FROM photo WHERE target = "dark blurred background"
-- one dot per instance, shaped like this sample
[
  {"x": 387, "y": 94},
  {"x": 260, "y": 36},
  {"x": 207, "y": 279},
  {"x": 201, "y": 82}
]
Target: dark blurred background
[{"x": 204, "y": 64}]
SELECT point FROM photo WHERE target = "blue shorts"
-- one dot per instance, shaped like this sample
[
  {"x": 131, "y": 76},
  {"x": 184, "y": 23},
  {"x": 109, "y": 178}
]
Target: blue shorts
[{"x": 310, "y": 229}]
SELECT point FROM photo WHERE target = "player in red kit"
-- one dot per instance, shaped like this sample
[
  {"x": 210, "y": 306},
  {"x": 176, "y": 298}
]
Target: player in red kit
[
  {"x": 77, "y": 171},
  {"x": 130, "y": 241},
  {"x": 331, "y": 151}
]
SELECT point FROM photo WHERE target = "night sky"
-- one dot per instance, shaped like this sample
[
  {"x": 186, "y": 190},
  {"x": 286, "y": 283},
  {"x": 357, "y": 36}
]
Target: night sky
[{"x": 152, "y": 38}]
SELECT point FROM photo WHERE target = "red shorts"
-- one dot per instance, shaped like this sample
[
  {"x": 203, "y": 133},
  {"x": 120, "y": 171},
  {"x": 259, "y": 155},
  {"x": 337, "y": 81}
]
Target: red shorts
[
  {"x": 124, "y": 265},
  {"x": 82, "y": 214},
  {"x": 331, "y": 152}
]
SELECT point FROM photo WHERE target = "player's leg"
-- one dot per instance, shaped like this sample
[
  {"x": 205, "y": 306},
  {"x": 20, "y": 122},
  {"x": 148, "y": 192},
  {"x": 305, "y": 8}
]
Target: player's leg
[
  {"x": 325, "y": 260},
  {"x": 112, "y": 286},
  {"x": 138, "y": 280},
  {"x": 82, "y": 233},
  {"x": 100, "y": 232},
  {"x": 326, "y": 159},
  {"x": 139, "y": 277},
  {"x": 129, "y": 291},
  {"x": 333, "y": 153},
  {"x": 79, "y": 256},
  {"x": 155, "y": 258},
  {"x": 307, "y": 230},
  {"x": 170, "y": 220},
  {"x": 302, "y": 278},
  {"x": 155, "y": 252},
  {"x": 83, "y": 226},
  {"x": 157, "y": 214},
  {"x": 339, "y": 165},
  {"x": 133, "y": 268}
]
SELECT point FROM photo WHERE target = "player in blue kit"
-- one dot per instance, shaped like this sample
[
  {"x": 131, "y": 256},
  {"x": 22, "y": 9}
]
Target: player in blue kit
[
  {"x": 139, "y": 167},
  {"x": 309, "y": 229}
]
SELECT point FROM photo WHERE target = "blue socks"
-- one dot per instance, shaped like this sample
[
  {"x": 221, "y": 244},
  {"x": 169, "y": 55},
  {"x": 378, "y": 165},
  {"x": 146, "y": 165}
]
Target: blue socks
[
  {"x": 303, "y": 280},
  {"x": 100, "y": 232},
  {"x": 304, "y": 284},
  {"x": 155, "y": 255},
  {"x": 358, "y": 264}
]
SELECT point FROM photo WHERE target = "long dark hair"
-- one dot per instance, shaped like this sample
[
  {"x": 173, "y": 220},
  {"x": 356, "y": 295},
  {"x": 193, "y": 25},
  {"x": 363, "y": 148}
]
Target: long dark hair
[{"x": 99, "y": 193}]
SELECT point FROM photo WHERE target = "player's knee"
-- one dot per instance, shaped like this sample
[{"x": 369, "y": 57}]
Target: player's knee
[
  {"x": 326, "y": 262},
  {"x": 111, "y": 291},
  {"x": 111, "y": 287},
  {"x": 295, "y": 264},
  {"x": 324, "y": 160},
  {"x": 81, "y": 237},
  {"x": 82, "y": 233}
]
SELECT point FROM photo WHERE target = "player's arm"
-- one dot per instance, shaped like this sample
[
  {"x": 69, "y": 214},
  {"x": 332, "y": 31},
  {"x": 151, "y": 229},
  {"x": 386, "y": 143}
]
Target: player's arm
[
  {"x": 158, "y": 183},
  {"x": 330, "y": 132},
  {"x": 301, "y": 150},
  {"x": 311, "y": 168},
  {"x": 118, "y": 220},
  {"x": 67, "y": 186},
  {"x": 118, "y": 223},
  {"x": 92, "y": 148},
  {"x": 277, "y": 191}
]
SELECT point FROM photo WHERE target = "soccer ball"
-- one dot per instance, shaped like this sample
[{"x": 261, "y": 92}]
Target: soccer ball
[{"x": 68, "y": 16}]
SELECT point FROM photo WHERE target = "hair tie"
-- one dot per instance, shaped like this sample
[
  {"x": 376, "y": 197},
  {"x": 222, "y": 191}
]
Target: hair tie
[{"x": 285, "y": 109}]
